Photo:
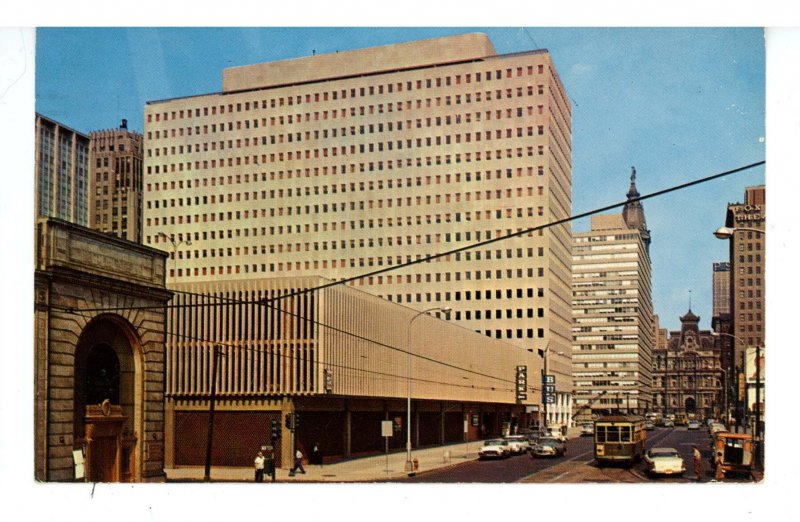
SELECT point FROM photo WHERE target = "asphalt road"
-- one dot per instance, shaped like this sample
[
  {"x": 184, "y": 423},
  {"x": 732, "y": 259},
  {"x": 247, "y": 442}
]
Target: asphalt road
[{"x": 577, "y": 465}]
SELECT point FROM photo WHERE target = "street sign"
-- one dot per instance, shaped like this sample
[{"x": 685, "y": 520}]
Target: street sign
[
  {"x": 522, "y": 383},
  {"x": 386, "y": 428},
  {"x": 548, "y": 379},
  {"x": 549, "y": 399},
  {"x": 549, "y": 388}
]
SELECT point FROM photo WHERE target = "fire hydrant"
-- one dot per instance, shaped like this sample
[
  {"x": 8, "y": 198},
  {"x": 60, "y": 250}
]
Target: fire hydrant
[{"x": 416, "y": 464}]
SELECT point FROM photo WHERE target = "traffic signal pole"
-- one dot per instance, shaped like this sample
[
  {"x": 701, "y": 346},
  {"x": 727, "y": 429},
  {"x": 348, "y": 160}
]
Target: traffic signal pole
[{"x": 211, "y": 408}]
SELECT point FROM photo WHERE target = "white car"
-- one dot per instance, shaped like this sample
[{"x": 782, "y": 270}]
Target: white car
[
  {"x": 548, "y": 447},
  {"x": 664, "y": 461},
  {"x": 518, "y": 444},
  {"x": 587, "y": 429},
  {"x": 716, "y": 427},
  {"x": 495, "y": 448},
  {"x": 669, "y": 423}
]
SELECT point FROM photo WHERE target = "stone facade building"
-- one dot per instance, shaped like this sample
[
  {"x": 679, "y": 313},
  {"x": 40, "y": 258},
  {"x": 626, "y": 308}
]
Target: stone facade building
[
  {"x": 688, "y": 375},
  {"x": 99, "y": 356}
]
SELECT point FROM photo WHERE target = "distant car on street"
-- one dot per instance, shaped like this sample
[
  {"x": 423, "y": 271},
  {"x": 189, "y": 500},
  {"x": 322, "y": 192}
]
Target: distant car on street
[
  {"x": 716, "y": 427},
  {"x": 587, "y": 429},
  {"x": 664, "y": 461},
  {"x": 549, "y": 447},
  {"x": 556, "y": 434},
  {"x": 669, "y": 423},
  {"x": 649, "y": 425},
  {"x": 693, "y": 425},
  {"x": 495, "y": 448},
  {"x": 518, "y": 444}
]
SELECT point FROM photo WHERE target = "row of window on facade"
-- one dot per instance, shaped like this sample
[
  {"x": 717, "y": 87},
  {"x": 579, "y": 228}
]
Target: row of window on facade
[
  {"x": 362, "y": 91},
  {"x": 298, "y": 266},
  {"x": 334, "y": 132},
  {"x": 372, "y": 166},
  {"x": 351, "y": 244},
  {"x": 334, "y": 188},
  {"x": 246, "y": 232}
]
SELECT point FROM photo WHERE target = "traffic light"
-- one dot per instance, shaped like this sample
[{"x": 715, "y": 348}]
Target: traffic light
[
  {"x": 275, "y": 429},
  {"x": 289, "y": 421},
  {"x": 296, "y": 420}
]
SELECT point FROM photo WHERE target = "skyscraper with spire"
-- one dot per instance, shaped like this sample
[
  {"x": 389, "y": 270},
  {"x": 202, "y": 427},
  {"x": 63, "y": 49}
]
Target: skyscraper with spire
[
  {"x": 612, "y": 309},
  {"x": 633, "y": 212}
]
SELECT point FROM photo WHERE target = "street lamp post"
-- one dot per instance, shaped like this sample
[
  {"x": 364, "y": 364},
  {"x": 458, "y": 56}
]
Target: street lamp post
[
  {"x": 175, "y": 244},
  {"x": 446, "y": 310},
  {"x": 729, "y": 374},
  {"x": 727, "y": 232}
]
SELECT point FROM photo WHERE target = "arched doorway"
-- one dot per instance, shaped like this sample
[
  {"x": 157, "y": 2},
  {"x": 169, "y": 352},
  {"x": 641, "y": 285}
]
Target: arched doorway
[
  {"x": 107, "y": 416},
  {"x": 690, "y": 405}
]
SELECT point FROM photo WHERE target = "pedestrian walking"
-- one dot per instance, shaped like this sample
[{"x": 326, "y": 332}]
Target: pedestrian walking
[
  {"x": 719, "y": 471},
  {"x": 698, "y": 463},
  {"x": 259, "y": 465},
  {"x": 298, "y": 462},
  {"x": 316, "y": 454}
]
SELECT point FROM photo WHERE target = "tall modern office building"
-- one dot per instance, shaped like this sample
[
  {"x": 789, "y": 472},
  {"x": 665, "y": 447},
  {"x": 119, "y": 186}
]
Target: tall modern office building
[
  {"x": 115, "y": 195},
  {"x": 613, "y": 330},
  {"x": 342, "y": 164},
  {"x": 721, "y": 289},
  {"x": 62, "y": 171}
]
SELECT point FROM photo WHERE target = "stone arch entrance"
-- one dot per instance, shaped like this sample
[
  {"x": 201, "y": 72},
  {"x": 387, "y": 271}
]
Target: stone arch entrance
[
  {"x": 690, "y": 405},
  {"x": 107, "y": 412}
]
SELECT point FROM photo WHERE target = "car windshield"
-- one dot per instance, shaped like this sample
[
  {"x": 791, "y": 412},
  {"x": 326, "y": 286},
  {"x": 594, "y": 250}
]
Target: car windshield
[
  {"x": 548, "y": 440},
  {"x": 493, "y": 443},
  {"x": 663, "y": 453}
]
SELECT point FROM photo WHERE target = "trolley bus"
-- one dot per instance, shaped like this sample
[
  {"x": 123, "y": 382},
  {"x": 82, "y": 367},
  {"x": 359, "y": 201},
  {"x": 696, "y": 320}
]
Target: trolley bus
[{"x": 619, "y": 438}]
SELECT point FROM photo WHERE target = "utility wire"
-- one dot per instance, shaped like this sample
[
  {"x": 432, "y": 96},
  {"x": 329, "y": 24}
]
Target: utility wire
[
  {"x": 515, "y": 234},
  {"x": 228, "y": 301},
  {"x": 264, "y": 352},
  {"x": 470, "y": 246}
]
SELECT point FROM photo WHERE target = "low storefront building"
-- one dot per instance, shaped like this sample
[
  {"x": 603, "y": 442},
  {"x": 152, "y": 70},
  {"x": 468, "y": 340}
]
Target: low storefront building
[{"x": 323, "y": 365}]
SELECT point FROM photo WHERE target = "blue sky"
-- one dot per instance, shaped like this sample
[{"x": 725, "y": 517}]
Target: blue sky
[{"x": 676, "y": 103}]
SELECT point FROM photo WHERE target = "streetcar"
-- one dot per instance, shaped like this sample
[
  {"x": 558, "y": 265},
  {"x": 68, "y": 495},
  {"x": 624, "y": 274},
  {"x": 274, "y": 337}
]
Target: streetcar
[{"x": 619, "y": 439}]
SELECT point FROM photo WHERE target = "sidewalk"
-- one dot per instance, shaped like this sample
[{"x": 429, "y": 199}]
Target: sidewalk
[{"x": 364, "y": 469}]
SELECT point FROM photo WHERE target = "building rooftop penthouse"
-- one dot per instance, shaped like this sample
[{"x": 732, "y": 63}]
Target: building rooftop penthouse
[{"x": 355, "y": 63}]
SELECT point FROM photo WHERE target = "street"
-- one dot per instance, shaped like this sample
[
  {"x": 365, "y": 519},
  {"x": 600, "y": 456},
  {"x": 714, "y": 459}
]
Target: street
[{"x": 578, "y": 466}]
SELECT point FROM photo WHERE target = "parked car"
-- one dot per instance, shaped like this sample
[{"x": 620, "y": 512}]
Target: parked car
[
  {"x": 669, "y": 423},
  {"x": 587, "y": 429},
  {"x": 495, "y": 448},
  {"x": 549, "y": 447},
  {"x": 649, "y": 425},
  {"x": 664, "y": 461},
  {"x": 693, "y": 425},
  {"x": 518, "y": 444}
]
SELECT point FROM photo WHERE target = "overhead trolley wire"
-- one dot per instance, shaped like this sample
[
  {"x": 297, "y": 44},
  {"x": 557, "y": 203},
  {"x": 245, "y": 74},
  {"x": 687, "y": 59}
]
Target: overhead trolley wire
[{"x": 471, "y": 246}]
